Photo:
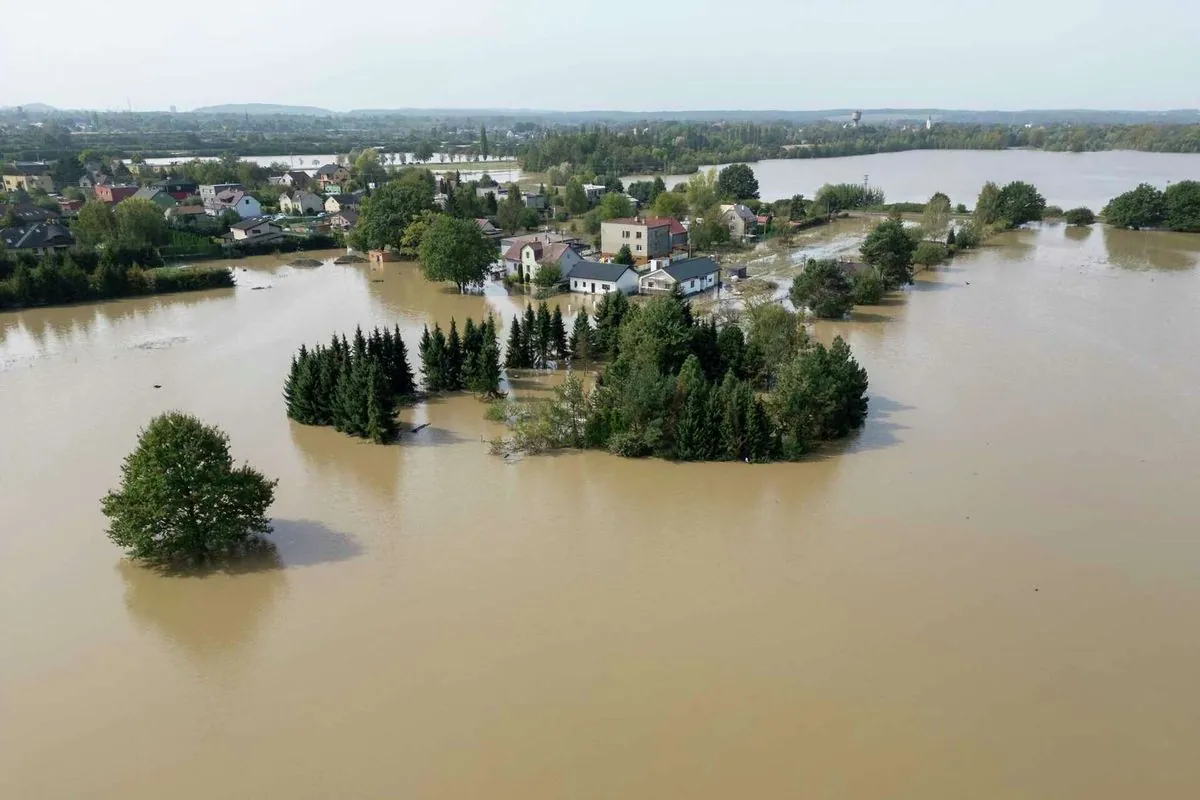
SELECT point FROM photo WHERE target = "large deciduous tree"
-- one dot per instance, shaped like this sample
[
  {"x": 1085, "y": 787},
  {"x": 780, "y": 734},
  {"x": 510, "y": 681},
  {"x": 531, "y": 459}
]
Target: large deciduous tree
[
  {"x": 387, "y": 212},
  {"x": 182, "y": 498},
  {"x": 824, "y": 288},
  {"x": 890, "y": 249},
  {"x": 737, "y": 182},
  {"x": 456, "y": 250}
]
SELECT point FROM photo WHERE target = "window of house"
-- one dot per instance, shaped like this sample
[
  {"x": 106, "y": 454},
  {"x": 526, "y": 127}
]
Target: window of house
[
  {"x": 639, "y": 234},
  {"x": 604, "y": 287},
  {"x": 624, "y": 234},
  {"x": 639, "y": 247}
]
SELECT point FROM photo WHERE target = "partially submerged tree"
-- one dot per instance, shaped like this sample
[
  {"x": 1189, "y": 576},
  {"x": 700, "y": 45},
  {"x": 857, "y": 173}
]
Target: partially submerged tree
[
  {"x": 824, "y": 288},
  {"x": 182, "y": 498},
  {"x": 456, "y": 250}
]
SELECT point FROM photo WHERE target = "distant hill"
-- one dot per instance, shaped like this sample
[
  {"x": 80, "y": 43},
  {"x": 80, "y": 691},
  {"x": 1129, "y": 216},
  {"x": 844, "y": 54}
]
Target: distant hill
[
  {"x": 31, "y": 108},
  {"x": 264, "y": 109}
]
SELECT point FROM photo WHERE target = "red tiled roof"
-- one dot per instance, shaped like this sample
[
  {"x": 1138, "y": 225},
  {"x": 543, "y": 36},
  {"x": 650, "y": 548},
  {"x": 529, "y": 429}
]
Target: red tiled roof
[
  {"x": 677, "y": 228},
  {"x": 514, "y": 252}
]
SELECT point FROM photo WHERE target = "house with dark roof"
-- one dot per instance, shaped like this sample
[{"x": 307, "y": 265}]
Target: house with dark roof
[
  {"x": 292, "y": 179},
  {"x": 488, "y": 229},
  {"x": 178, "y": 188},
  {"x": 28, "y": 177},
  {"x": 349, "y": 201},
  {"x": 38, "y": 238},
  {"x": 691, "y": 275},
  {"x": 155, "y": 195},
  {"x": 343, "y": 220},
  {"x": 334, "y": 174},
  {"x": 740, "y": 220},
  {"x": 602, "y": 277},
  {"x": 257, "y": 230},
  {"x": 27, "y": 213}
]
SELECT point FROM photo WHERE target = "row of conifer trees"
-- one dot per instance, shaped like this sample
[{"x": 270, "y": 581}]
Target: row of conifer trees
[
  {"x": 353, "y": 386},
  {"x": 452, "y": 363}
]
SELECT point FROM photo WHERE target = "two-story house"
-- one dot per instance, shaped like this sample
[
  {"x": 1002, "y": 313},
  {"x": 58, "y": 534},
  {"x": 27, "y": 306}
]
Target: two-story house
[
  {"x": 334, "y": 174},
  {"x": 115, "y": 193},
  {"x": 740, "y": 220},
  {"x": 292, "y": 179},
  {"x": 28, "y": 177},
  {"x": 209, "y": 192},
  {"x": 646, "y": 238},
  {"x": 348, "y": 201},
  {"x": 299, "y": 202},
  {"x": 528, "y": 258},
  {"x": 246, "y": 206},
  {"x": 691, "y": 275}
]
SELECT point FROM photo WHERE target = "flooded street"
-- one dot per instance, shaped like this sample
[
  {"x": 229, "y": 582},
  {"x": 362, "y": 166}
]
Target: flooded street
[{"x": 990, "y": 592}]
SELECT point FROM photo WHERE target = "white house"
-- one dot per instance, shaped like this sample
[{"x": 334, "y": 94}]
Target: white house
[
  {"x": 593, "y": 191},
  {"x": 299, "y": 202},
  {"x": 255, "y": 230},
  {"x": 235, "y": 199},
  {"x": 599, "y": 277},
  {"x": 692, "y": 275},
  {"x": 528, "y": 258}
]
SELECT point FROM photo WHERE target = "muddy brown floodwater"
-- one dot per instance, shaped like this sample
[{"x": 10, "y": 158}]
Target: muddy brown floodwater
[{"x": 991, "y": 592}]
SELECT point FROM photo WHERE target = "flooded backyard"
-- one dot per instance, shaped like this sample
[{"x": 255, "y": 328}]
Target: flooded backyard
[{"x": 991, "y": 591}]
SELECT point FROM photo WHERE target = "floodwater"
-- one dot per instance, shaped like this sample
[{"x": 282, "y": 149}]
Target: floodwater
[
  {"x": 1065, "y": 179},
  {"x": 990, "y": 592}
]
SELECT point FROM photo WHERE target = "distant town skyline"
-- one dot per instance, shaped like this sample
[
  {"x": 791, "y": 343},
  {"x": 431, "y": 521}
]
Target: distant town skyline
[{"x": 623, "y": 55}]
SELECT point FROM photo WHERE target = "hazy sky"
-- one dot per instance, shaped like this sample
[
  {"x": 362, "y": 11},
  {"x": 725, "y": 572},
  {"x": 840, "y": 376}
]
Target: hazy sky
[{"x": 604, "y": 54}]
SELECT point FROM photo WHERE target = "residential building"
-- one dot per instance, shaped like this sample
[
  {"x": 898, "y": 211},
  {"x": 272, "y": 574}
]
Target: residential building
[
  {"x": 594, "y": 191},
  {"x": 349, "y": 201},
  {"x": 645, "y": 238},
  {"x": 334, "y": 174},
  {"x": 37, "y": 239},
  {"x": 246, "y": 206},
  {"x": 155, "y": 195},
  {"x": 602, "y": 277},
  {"x": 343, "y": 220},
  {"x": 691, "y": 275},
  {"x": 209, "y": 191},
  {"x": 115, "y": 193},
  {"x": 28, "y": 177},
  {"x": 257, "y": 230},
  {"x": 27, "y": 213},
  {"x": 185, "y": 214},
  {"x": 545, "y": 237},
  {"x": 488, "y": 229},
  {"x": 179, "y": 188},
  {"x": 528, "y": 258},
  {"x": 293, "y": 179},
  {"x": 740, "y": 220},
  {"x": 299, "y": 202}
]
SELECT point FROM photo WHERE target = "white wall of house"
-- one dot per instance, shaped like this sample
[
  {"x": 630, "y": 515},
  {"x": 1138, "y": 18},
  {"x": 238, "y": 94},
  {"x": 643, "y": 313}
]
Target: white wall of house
[{"x": 627, "y": 283}]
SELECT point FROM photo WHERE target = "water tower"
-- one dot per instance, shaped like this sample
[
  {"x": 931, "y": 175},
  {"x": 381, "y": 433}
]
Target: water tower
[{"x": 856, "y": 117}]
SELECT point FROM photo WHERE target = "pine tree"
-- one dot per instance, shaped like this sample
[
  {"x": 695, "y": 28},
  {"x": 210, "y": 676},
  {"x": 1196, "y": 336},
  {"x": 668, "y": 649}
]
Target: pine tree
[
  {"x": 691, "y": 413},
  {"x": 348, "y": 402},
  {"x": 453, "y": 375},
  {"x": 580, "y": 344},
  {"x": 515, "y": 348},
  {"x": 528, "y": 330},
  {"x": 759, "y": 433},
  {"x": 428, "y": 359},
  {"x": 290, "y": 396},
  {"x": 329, "y": 373},
  {"x": 360, "y": 343},
  {"x": 542, "y": 336},
  {"x": 472, "y": 344},
  {"x": 399, "y": 372},
  {"x": 441, "y": 363},
  {"x": 558, "y": 335},
  {"x": 379, "y": 414},
  {"x": 733, "y": 418}
]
